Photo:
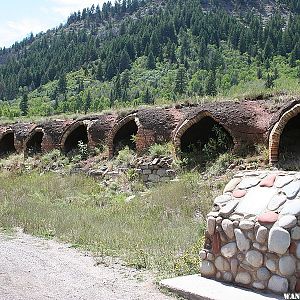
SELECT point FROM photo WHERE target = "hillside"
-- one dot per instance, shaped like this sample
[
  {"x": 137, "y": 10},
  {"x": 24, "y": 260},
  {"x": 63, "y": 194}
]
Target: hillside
[{"x": 145, "y": 52}]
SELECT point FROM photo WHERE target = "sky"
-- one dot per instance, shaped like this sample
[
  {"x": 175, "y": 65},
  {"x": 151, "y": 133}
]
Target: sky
[{"x": 18, "y": 18}]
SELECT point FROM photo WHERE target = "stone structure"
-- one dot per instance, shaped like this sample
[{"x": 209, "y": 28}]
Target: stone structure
[
  {"x": 253, "y": 232},
  {"x": 150, "y": 170},
  {"x": 245, "y": 123}
]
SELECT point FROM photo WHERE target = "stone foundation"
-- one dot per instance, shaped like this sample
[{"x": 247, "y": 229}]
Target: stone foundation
[{"x": 253, "y": 233}]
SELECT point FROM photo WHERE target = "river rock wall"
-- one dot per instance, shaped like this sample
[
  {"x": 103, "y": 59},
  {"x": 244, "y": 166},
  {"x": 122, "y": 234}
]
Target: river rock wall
[{"x": 253, "y": 232}]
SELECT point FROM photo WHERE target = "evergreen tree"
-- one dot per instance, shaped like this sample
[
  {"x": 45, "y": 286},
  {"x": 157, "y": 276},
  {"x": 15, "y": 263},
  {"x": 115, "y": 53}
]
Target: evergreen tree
[
  {"x": 211, "y": 87},
  {"x": 180, "y": 81},
  {"x": 88, "y": 102},
  {"x": 125, "y": 61},
  {"x": 62, "y": 84},
  {"x": 151, "y": 61},
  {"x": 99, "y": 72},
  {"x": 269, "y": 82},
  {"x": 147, "y": 98},
  {"x": 24, "y": 105}
]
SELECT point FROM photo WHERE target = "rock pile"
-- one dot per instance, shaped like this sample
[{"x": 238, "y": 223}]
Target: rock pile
[
  {"x": 253, "y": 232},
  {"x": 156, "y": 170}
]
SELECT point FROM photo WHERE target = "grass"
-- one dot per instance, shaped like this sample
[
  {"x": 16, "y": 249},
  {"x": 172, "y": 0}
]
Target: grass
[{"x": 161, "y": 230}]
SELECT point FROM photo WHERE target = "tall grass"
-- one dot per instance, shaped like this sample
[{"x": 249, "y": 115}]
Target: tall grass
[{"x": 160, "y": 231}]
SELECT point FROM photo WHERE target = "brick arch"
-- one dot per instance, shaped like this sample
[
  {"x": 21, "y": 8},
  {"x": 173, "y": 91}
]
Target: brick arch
[
  {"x": 69, "y": 130},
  {"x": 188, "y": 123},
  {"x": 275, "y": 135},
  {"x": 116, "y": 128},
  {"x": 35, "y": 130},
  {"x": 2, "y": 136}
]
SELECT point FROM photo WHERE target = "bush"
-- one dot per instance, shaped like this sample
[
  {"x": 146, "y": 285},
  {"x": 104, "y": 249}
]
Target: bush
[
  {"x": 125, "y": 156},
  {"x": 161, "y": 150},
  {"x": 221, "y": 164}
]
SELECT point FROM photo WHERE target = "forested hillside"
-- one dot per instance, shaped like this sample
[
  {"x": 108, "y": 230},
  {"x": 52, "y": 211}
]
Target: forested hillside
[{"x": 153, "y": 51}]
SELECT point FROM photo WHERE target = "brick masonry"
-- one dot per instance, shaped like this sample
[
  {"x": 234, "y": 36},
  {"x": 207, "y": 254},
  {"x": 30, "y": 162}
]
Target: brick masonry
[{"x": 248, "y": 123}]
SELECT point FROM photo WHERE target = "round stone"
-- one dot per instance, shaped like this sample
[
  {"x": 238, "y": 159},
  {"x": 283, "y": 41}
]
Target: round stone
[
  {"x": 279, "y": 240},
  {"x": 242, "y": 242},
  {"x": 249, "y": 182},
  {"x": 276, "y": 201},
  {"x": 231, "y": 185},
  {"x": 228, "y": 208},
  {"x": 227, "y": 276},
  {"x": 263, "y": 274},
  {"x": 229, "y": 250},
  {"x": 243, "y": 278},
  {"x": 258, "y": 285},
  {"x": 211, "y": 225},
  {"x": 227, "y": 226},
  {"x": 254, "y": 258},
  {"x": 278, "y": 284},
  {"x": 239, "y": 193},
  {"x": 291, "y": 208},
  {"x": 202, "y": 254},
  {"x": 268, "y": 181},
  {"x": 207, "y": 268},
  {"x": 222, "y": 199},
  {"x": 298, "y": 250},
  {"x": 261, "y": 234},
  {"x": 295, "y": 233},
  {"x": 287, "y": 265},
  {"x": 222, "y": 264},
  {"x": 246, "y": 224},
  {"x": 234, "y": 265},
  {"x": 268, "y": 217},
  {"x": 271, "y": 265},
  {"x": 287, "y": 221}
]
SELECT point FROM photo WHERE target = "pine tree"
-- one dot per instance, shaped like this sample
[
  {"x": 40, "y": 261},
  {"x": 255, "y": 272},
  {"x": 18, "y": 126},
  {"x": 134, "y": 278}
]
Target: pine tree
[
  {"x": 211, "y": 88},
  {"x": 259, "y": 73},
  {"x": 180, "y": 81},
  {"x": 62, "y": 84},
  {"x": 125, "y": 61},
  {"x": 147, "y": 98},
  {"x": 269, "y": 82},
  {"x": 99, "y": 72},
  {"x": 88, "y": 102},
  {"x": 24, "y": 105},
  {"x": 151, "y": 61}
]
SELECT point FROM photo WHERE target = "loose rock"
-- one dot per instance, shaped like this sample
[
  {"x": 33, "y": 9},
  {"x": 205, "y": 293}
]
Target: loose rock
[{"x": 281, "y": 181}]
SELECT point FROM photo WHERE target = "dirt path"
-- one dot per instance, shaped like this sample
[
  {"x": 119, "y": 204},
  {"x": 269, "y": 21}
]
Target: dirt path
[{"x": 33, "y": 268}]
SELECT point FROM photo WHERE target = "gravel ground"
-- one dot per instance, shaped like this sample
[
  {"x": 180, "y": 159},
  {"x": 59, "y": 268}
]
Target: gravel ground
[{"x": 34, "y": 268}]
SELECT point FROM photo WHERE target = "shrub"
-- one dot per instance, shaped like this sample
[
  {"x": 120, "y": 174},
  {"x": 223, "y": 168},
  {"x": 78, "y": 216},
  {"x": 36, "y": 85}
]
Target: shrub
[
  {"x": 125, "y": 156},
  {"x": 161, "y": 150},
  {"x": 221, "y": 164}
]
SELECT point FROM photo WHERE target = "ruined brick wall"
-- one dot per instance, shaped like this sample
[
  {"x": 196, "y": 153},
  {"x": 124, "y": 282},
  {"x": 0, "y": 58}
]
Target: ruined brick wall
[{"x": 248, "y": 122}]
